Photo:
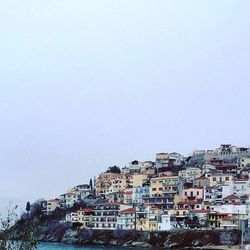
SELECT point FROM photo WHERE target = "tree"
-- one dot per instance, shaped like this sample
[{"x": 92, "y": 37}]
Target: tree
[
  {"x": 91, "y": 184},
  {"x": 28, "y": 206},
  {"x": 17, "y": 234},
  {"x": 114, "y": 169}
]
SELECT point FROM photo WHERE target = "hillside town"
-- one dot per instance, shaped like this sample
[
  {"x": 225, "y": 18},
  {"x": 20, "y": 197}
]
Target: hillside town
[{"x": 208, "y": 189}]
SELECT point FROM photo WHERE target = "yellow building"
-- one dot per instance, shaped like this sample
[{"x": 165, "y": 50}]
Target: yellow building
[
  {"x": 103, "y": 182},
  {"x": 139, "y": 180},
  {"x": 220, "y": 179},
  {"x": 161, "y": 184},
  {"x": 84, "y": 216},
  {"x": 147, "y": 218}
]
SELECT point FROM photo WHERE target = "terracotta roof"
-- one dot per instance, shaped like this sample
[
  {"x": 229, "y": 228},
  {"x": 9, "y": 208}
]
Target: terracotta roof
[
  {"x": 244, "y": 196},
  {"x": 199, "y": 211},
  {"x": 231, "y": 197},
  {"x": 235, "y": 203},
  {"x": 127, "y": 211},
  {"x": 129, "y": 192}
]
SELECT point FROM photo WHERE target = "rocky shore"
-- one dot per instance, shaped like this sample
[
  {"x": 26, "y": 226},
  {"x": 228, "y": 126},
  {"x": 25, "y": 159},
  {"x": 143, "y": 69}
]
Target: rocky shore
[{"x": 166, "y": 240}]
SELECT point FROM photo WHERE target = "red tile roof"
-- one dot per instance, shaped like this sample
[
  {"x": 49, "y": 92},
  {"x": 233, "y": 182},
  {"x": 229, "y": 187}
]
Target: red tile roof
[
  {"x": 200, "y": 211},
  {"x": 231, "y": 197},
  {"x": 128, "y": 211}
]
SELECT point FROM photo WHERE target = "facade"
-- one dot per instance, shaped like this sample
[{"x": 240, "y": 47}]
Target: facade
[
  {"x": 189, "y": 174},
  {"x": 220, "y": 179},
  {"x": 139, "y": 193},
  {"x": 171, "y": 193},
  {"x": 85, "y": 217},
  {"x": 69, "y": 199},
  {"x": 161, "y": 184},
  {"x": 105, "y": 215},
  {"x": 126, "y": 219},
  {"x": 201, "y": 182},
  {"x": 52, "y": 205}
]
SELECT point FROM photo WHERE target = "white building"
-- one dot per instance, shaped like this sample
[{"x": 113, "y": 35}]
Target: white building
[
  {"x": 190, "y": 174},
  {"x": 52, "y": 205},
  {"x": 241, "y": 187},
  {"x": 232, "y": 209},
  {"x": 72, "y": 217},
  {"x": 164, "y": 223},
  {"x": 69, "y": 199},
  {"x": 126, "y": 219},
  {"x": 139, "y": 193}
]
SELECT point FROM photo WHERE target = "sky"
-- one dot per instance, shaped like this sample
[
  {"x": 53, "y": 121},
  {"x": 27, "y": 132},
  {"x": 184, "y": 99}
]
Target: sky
[{"x": 85, "y": 85}]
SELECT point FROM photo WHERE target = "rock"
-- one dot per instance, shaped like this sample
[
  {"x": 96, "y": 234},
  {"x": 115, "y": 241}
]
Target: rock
[{"x": 140, "y": 244}]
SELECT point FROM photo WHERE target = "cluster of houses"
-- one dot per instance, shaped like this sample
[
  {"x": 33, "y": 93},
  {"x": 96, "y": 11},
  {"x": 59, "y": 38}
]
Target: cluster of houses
[{"x": 208, "y": 189}]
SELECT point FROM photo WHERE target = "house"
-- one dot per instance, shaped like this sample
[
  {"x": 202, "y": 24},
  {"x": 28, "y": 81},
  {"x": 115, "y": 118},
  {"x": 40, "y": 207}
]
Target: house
[
  {"x": 139, "y": 180},
  {"x": 220, "y": 179},
  {"x": 165, "y": 221},
  {"x": 134, "y": 167},
  {"x": 147, "y": 217},
  {"x": 85, "y": 217},
  {"x": 201, "y": 181},
  {"x": 72, "y": 217},
  {"x": 163, "y": 201},
  {"x": 126, "y": 219},
  {"x": 116, "y": 197},
  {"x": 216, "y": 219},
  {"x": 104, "y": 182},
  {"x": 139, "y": 193},
  {"x": 52, "y": 205},
  {"x": 193, "y": 193},
  {"x": 69, "y": 199},
  {"x": 105, "y": 214},
  {"x": 160, "y": 184},
  {"x": 83, "y": 190},
  {"x": 128, "y": 194},
  {"x": 200, "y": 215},
  {"x": 189, "y": 174}
]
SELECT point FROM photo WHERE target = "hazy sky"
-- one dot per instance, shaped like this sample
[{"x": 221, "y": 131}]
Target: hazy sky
[{"x": 89, "y": 84}]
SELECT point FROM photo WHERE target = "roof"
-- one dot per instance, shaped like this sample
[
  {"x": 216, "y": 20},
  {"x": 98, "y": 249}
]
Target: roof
[
  {"x": 235, "y": 203},
  {"x": 202, "y": 211},
  {"x": 54, "y": 200},
  {"x": 202, "y": 178},
  {"x": 108, "y": 203},
  {"x": 127, "y": 211},
  {"x": 231, "y": 197},
  {"x": 129, "y": 192},
  {"x": 189, "y": 202}
]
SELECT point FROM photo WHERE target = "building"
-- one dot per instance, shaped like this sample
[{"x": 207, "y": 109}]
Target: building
[
  {"x": 165, "y": 221},
  {"x": 139, "y": 180},
  {"x": 193, "y": 193},
  {"x": 72, "y": 217},
  {"x": 220, "y": 179},
  {"x": 126, "y": 219},
  {"x": 85, "y": 217},
  {"x": 139, "y": 193},
  {"x": 52, "y": 205},
  {"x": 243, "y": 161},
  {"x": 201, "y": 181},
  {"x": 147, "y": 217},
  {"x": 105, "y": 215},
  {"x": 104, "y": 182},
  {"x": 189, "y": 174},
  {"x": 69, "y": 199},
  {"x": 158, "y": 185}
]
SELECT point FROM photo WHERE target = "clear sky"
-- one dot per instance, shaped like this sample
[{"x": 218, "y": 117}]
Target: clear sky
[{"x": 89, "y": 84}]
